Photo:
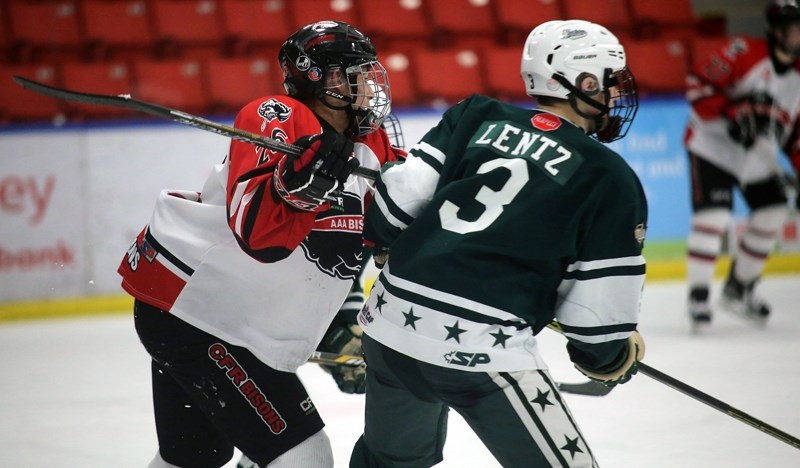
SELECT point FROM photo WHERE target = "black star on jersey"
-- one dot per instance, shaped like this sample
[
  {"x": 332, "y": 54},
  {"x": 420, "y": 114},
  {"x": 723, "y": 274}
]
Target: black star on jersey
[
  {"x": 453, "y": 332},
  {"x": 542, "y": 399},
  {"x": 500, "y": 338},
  {"x": 572, "y": 446},
  {"x": 410, "y": 318},
  {"x": 380, "y": 303}
]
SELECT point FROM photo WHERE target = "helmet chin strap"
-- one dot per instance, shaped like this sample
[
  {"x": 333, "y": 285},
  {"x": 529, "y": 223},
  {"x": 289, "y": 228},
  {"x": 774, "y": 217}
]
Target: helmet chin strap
[
  {"x": 341, "y": 97},
  {"x": 575, "y": 94},
  {"x": 352, "y": 127}
]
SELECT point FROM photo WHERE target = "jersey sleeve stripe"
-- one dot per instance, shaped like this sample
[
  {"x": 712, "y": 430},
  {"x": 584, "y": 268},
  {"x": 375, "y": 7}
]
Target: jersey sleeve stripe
[
  {"x": 430, "y": 150},
  {"x": 393, "y": 213},
  {"x": 606, "y": 263},
  {"x": 429, "y": 159},
  {"x": 632, "y": 270}
]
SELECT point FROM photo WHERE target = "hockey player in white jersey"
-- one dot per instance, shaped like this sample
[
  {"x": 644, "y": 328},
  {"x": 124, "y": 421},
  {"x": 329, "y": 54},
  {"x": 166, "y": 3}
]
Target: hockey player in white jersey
[
  {"x": 235, "y": 286},
  {"x": 745, "y": 103},
  {"x": 344, "y": 335}
]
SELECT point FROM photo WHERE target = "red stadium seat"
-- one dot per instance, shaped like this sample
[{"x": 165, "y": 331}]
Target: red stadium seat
[
  {"x": 118, "y": 23},
  {"x": 655, "y": 19},
  {"x": 677, "y": 12},
  {"x": 173, "y": 83},
  {"x": 4, "y": 40},
  {"x": 659, "y": 65},
  {"x": 517, "y": 18},
  {"x": 49, "y": 24},
  {"x": 503, "y": 80},
  {"x": 401, "y": 79},
  {"x": 463, "y": 23},
  {"x": 186, "y": 26},
  {"x": 310, "y": 11},
  {"x": 449, "y": 75},
  {"x": 232, "y": 83},
  {"x": 256, "y": 21},
  {"x": 118, "y": 30},
  {"x": 395, "y": 24},
  {"x": 17, "y": 104},
  {"x": 98, "y": 78},
  {"x": 613, "y": 14}
]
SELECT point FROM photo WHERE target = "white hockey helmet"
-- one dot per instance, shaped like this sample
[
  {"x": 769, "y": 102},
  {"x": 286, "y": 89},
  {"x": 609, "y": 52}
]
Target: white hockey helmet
[{"x": 577, "y": 59}]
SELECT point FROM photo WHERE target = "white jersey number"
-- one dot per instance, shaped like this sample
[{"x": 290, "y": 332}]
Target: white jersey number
[{"x": 494, "y": 201}]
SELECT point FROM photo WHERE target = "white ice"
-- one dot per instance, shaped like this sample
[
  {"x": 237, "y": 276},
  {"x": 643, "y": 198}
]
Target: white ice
[{"x": 76, "y": 393}]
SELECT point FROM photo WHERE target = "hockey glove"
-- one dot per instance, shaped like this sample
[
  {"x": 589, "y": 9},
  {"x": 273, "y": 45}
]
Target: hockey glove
[
  {"x": 626, "y": 370},
  {"x": 345, "y": 339},
  {"x": 742, "y": 122},
  {"x": 380, "y": 255},
  {"x": 319, "y": 173}
]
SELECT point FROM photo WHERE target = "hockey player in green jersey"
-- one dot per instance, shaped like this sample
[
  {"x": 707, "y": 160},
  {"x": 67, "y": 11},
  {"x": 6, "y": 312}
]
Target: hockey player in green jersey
[{"x": 501, "y": 220}]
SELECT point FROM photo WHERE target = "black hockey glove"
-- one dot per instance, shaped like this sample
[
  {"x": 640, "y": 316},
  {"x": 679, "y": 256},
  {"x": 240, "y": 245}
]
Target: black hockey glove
[
  {"x": 345, "y": 339},
  {"x": 309, "y": 180},
  {"x": 742, "y": 122},
  {"x": 380, "y": 255},
  {"x": 626, "y": 369}
]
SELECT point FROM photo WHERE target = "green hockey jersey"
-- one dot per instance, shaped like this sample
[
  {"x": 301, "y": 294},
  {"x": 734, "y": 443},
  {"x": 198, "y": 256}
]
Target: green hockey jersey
[{"x": 501, "y": 220}]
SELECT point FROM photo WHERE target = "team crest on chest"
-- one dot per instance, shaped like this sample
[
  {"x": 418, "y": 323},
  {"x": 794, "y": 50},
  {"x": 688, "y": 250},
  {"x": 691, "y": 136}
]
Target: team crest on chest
[{"x": 334, "y": 244}]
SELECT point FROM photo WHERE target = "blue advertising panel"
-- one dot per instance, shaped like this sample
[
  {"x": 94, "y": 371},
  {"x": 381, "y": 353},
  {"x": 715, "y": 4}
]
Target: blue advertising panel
[{"x": 654, "y": 149}]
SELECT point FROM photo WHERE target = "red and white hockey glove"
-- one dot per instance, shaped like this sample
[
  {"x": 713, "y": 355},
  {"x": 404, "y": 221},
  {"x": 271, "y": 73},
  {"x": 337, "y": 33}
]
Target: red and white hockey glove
[
  {"x": 626, "y": 369},
  {"x": 307, "y": 181}
]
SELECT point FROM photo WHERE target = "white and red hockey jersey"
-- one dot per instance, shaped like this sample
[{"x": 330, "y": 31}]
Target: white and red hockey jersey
[
  {"x": 744, "y": 69},
  {"x": 239, "y": 263}
]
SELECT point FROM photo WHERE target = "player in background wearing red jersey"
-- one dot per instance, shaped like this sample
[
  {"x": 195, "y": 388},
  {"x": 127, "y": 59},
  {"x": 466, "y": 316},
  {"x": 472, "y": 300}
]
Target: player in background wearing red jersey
[
  {"x": 745, "y": 100},
  {"x": 236, "y": 285}
]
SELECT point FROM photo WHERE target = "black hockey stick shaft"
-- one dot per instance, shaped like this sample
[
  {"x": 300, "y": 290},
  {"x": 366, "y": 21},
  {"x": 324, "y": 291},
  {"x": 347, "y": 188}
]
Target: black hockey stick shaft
[
  {"x": 708, "y": 400},
  {"x": 590, "y": 388},
  {"x": 125, "y": 101},
  {"x": 718, "y": 405}
]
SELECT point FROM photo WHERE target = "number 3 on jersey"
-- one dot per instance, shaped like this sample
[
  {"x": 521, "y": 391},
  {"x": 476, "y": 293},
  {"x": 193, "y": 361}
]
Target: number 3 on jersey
[{"x": 494, "y": 201}]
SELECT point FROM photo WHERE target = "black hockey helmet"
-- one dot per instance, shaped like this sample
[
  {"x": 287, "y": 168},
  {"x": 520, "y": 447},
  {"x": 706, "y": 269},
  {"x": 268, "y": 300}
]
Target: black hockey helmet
[
  {"x": 317, "y": 52},
  {"x": 780, "y": 14}
]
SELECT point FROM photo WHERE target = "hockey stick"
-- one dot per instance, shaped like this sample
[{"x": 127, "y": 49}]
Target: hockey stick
[
  {"x": 588, "y": 388},
  {"x": 709, "y": 400},
  {"x": 333, "y": 359},
  {"x": 719, "y": 405},
  {"x": 125, "y": 101}
]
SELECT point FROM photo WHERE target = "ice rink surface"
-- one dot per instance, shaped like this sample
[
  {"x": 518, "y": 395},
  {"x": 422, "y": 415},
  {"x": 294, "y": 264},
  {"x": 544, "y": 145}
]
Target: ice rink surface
[{"x": 75, "y": 393}]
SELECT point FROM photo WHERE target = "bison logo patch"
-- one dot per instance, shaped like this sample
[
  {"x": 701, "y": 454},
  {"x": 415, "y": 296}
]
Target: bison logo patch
[
  {"x": 335, "y": 242},
  {"x": 274, "y": 109}
]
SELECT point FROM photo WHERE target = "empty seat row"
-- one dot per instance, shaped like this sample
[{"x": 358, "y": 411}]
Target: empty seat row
[
  {"x": 207, "y": 86},
  {"x": 112, "y": 24},
  {"x": 223, "y": 84}
]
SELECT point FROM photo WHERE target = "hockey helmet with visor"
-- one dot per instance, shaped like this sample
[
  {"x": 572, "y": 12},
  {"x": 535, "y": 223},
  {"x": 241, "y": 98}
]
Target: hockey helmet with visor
[
  {"x": 332, "y": 61},
  {"x": 577, "y": 60}
]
